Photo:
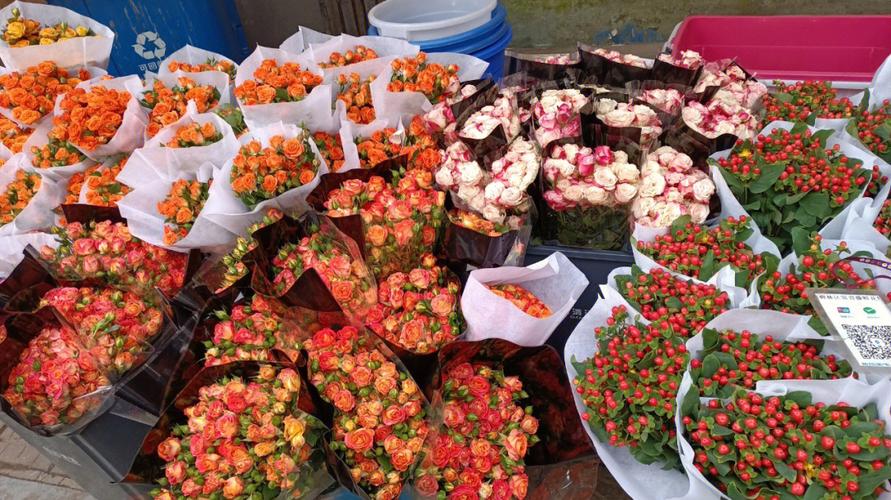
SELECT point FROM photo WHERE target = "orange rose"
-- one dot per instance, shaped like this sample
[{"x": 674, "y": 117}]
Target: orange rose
[
  {"x": 342, "y": 290},
  {"x": 233, "y": 487},
  {"x": 169, "y": 449},
  {"x": 480, "y": 447},
  {"x": 240, "y": 459},
  {"x": 344, "y": 401},
  {"x": 359, "y": 440},
  {"x": 384, "y": 385},
  {"x": 361, "y": 376},
  {"x": 515, "y": 444},
  {"x": 402, "y": 459},
  {"x": 376, "y": 235},
  {"x": 519, "y": 485}
]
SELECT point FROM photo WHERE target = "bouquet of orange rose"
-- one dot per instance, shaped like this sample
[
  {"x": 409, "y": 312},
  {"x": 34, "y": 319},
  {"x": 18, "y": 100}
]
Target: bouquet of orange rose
[
  {"x": 251, "y": 331},
  {"x": 106, "y": 251},
  {"x": 484, "y": 439},
  {"x": 399, "y": 219},
  {"x": 100, "y": 119},
  {"x": 12, "y": 136},
  {"x": 56, "y": 382},
  {"x": 191, "y": 59},
  {"x": 418, "y": 311},
  {"x": 379, "y": 421},
  {"x": 26, "y": 198},
  {"x": 168, "y": 98},
  {"x": 27, "y": 96},
  {"x": 244, "y": 438},
  {"x": 116, "y": 326}
]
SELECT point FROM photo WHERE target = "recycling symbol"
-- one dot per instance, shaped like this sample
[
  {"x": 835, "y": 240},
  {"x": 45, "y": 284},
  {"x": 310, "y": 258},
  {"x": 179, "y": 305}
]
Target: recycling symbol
[{"x": 150, "y": 38}]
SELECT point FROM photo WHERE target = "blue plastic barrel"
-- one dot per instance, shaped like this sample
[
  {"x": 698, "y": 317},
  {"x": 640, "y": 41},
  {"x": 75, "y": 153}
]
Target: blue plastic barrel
[
  {"x": 486, "y": 42},
  {"x": 146, "y": 32}
]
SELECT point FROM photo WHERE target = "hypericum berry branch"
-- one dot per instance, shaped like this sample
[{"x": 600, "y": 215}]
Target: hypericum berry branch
[
  {"x": 659, "y": 296},
  {"x": 786, "y": 447},
  {"x": 883, "y": 220},
  {"x": 874, "y": 130},
  {"x": 800, "y": 100},
  {"x": 629, "y": 387},
  {"x": 699, "y": 251},
  {"x": 732, "y": 360}
]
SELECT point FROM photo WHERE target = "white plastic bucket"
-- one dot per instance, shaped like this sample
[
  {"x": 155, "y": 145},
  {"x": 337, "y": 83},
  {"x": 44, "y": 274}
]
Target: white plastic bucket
[{"x": 419, "y": 20}]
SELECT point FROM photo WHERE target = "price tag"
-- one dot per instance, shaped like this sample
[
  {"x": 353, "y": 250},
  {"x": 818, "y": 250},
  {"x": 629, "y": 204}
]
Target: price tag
[{"x": 860, "y": 318}]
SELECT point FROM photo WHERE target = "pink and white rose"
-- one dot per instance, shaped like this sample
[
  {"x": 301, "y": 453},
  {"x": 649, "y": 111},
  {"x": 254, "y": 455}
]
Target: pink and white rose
[{"x": 670, "y": 188}]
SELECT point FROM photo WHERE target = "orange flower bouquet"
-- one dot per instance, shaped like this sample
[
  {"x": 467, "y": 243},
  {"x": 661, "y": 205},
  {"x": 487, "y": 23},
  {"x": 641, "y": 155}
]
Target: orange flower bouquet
[
  {"x": 273, "y": 164},
  {"x": 32, "y": 33},
  {"x": 417, "y": 74},
  {"x": 101, "y": 187},
  {"x": 357, "y": 54},
  {"x": 355, "y": 94},
  {"x": 170, "y": 212},
  {"x": 12, "y": 136},
  {"x": 52, "y": 154},
  {"x": 101, "y": 119},
  {"x": 273, "y": 85},
  {"x": 29, "y": 95},
  {"x": 330, "y": 147},
  {"x": 26, "y": 198},
  {"x": 380, "y": 146},
  {"x": 191, "y": 59},
  {"x": 169, "y": 97}
]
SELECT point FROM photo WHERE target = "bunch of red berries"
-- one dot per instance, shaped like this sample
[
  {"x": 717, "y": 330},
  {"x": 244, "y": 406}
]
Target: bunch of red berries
[
  {"x": 873, "y": 128},
  {"x": 731, "y": 360},
  {"x": 816, "y": 268},
  {"x": 789, "y": 179},
  {"x": 752, "y": 446},
  {"x": 659, "y": 296},
  {"x": 699, "y": 251},
  {"x": 630, "y": 385},
  {"x": 876, "y": 182},
  {"x": 883, "y": 220},
  {"x": 800, "y": 100}
]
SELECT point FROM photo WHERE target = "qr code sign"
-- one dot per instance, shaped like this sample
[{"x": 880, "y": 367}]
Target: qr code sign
[{"x": 870, "y": 342}]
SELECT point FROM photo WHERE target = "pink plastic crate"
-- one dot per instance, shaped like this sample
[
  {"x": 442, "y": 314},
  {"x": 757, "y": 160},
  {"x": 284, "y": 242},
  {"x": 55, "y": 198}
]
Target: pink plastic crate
[{"x": 839, "y": 48}]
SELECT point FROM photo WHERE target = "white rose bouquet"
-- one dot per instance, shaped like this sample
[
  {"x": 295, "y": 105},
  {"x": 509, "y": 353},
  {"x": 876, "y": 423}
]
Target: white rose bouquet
[
  {"x": 671, "y": 187},
  {"x": 668, "y": 100},
  {"x": 588, "y": 193},
  {"x": 689, "y": 59},
  {"x": 557, "y": 115},
  {"x": 618, "y": 57}
]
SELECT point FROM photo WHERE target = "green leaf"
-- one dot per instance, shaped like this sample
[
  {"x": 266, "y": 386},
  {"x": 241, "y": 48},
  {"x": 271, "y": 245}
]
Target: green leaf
[
  {"x": 805, "y": 219},
  {"x": 735, "y": 493},
  {"x": 823, "y": 136},
  {"x": 787, "y": 472},
  {"x": 710, "y": 365},
  {"x": 871, "y": 480},
  {"x": 815, "y": 492},
  {"x": 883, "y": 131},
  {"x": 811, "y": 119},
  {"x": 673, "y": 303},
  {"x": 707, "y": 268},
  {"x": 792, "y": 199},
  {"x": 732, "y": 180},
  {"x": 801, "y": 240},
  {"x": 770, "y": 172},
  {"x": 783, "y": 97},
  {"x": 798, "y": 128},
  {"x": 803, "y": 398},
  {"x": 679, "y": 224},
  {"x": 816, "y": 204},
  {"x": 709, "y": 339},
  {"x": 720, "y": 430},
  {"x": 690, "y": 404},
  {"x": 864, "y": 103}
]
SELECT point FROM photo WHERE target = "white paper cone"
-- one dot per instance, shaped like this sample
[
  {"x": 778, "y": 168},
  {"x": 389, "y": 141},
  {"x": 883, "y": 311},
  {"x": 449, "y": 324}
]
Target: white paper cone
[
  {"x": 386, "y": 48},
  {"x": 298, "y": 42},
  {"x": 12, "y": 249},
  {"x": 315, "y": 107},
  {"x": 555, "y": 281},
  {"x": 140, "y": 208},
  {"x": 82, "y": 51},
  {"x": 225, "y": 209},
  {"x": 38, "y": 214},
  {"x": 191, "y": 55}
]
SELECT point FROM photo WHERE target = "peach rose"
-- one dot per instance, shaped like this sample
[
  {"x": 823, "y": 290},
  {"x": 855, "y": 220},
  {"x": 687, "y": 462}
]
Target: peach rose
[
  {"x": 359, "y": 440},
  {"x": 169, "y": 449},
  {"x": 515, "y": 443}
]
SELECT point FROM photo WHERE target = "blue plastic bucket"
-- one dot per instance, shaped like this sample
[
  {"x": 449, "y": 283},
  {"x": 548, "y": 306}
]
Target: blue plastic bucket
[
  {"x": 486, "y": 42},
  {"x": 494, "y": 55}
]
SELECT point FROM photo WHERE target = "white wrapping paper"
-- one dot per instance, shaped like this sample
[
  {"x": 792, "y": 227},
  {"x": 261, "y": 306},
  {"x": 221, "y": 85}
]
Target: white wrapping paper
[
  {"x": 386, "y": 48},
  {"x": 192, "y": 55},
  {"x": 555, "y": 280},
  {"x": 38, "y": 214},
  {"x": 12, "y": 249},
  {"x": 82, "y": 51},
  {"x": 315, "y": 107},
  {"x": 170, "y": 162},
  {"x": 226, "y": 210},
  {"x": 298, "y": 42},
  {"x": 140, "y": 208}
]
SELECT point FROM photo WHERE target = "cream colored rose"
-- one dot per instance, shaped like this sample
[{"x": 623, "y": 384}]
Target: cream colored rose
[
  {"x": 596, "y": 196},
  {"x": 574, "y": 193},
  {"x": 652, "y": 185},
  {"x": 643, "y": 114},
  {"x": 625, "y": 193},
  {"x": 666, "y": 213},
  {"x": 626, "y": 172},
  {"x": 698, "y": 213},
  {"x": 511, "y": 197},
  {"x": 691, "y": 116},
  {"x": 493, "y": 214},
  {"x": 494, "y": 190},
  {"x": 674, "y": 178},
  {"x": 725, "y": 128},
  {"x": 444, "y": 177},
  {"x": 642, "y": 207},
  {"x": 703, "y": 190},
  {"x": 604, "y": 106},
  {"x": 619, "y": 118},
  {"x": 470, "y": 172},
  {"x": 605, "y": 178},
  {"x": 620, "y": 157},
  {"x": 651, "y": 167},
  {"x": 673, "y": 195}
]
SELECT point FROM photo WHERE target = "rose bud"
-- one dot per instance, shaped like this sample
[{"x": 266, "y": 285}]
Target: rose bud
[{"x": 169, "y": 449}]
